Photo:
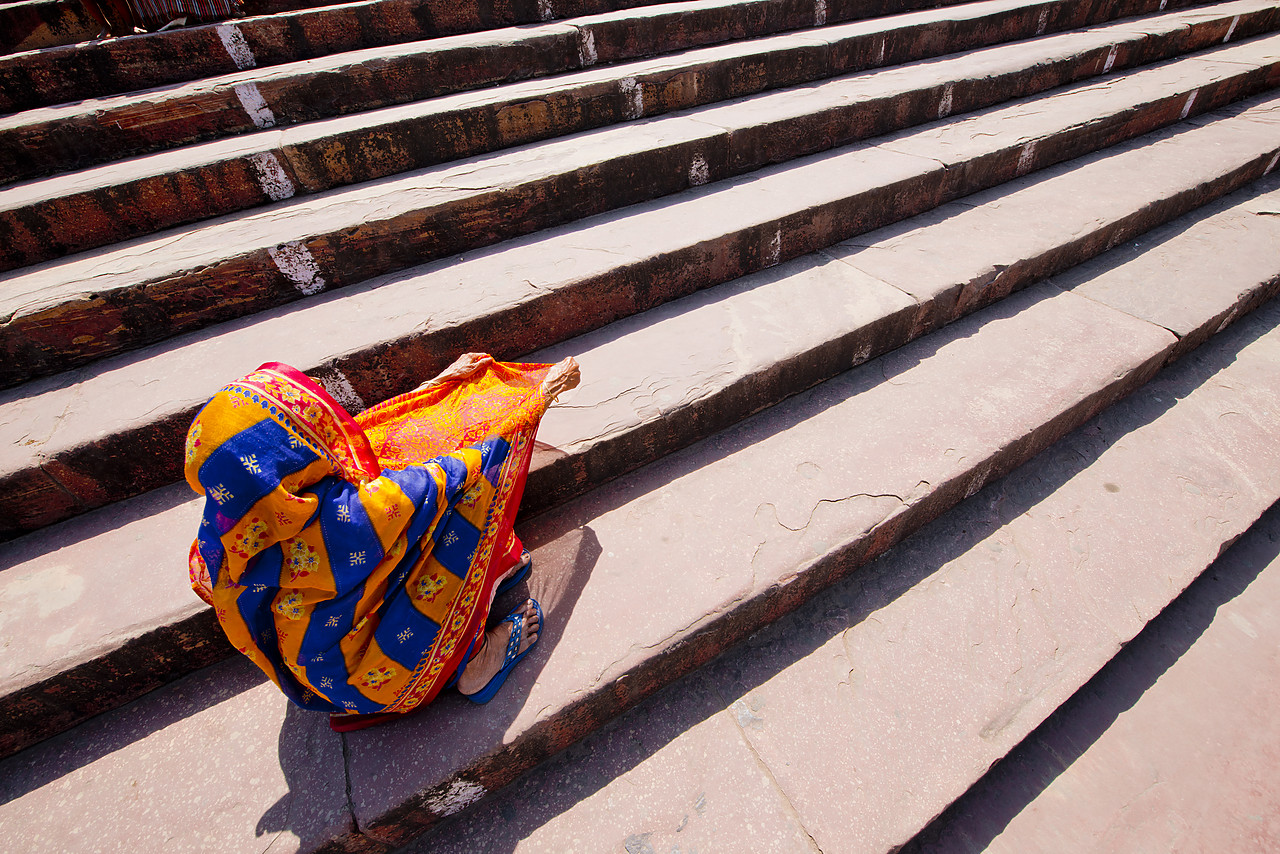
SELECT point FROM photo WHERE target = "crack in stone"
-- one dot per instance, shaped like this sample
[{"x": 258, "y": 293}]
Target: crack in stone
[
  {"x": 346, "y": 774},
  {"x": 821, "y": 501},
  {"x": 683, "y": 631},
  {"x": 773, "y": 782}
]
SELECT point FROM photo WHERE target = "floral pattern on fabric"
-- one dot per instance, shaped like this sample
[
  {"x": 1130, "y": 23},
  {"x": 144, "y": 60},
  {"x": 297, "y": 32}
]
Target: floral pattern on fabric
[{"x": 314, "y": 550}]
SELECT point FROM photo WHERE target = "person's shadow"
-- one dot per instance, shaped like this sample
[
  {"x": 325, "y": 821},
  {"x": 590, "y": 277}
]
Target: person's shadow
[{"x": 368, "y": 782}]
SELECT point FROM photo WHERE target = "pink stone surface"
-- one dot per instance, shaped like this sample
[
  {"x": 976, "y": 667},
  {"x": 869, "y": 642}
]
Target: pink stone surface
[
  {"x": 1204, "y": 299},
  {"x": 168, "y": 378},
  {"x": 676, "y": 776},
  {"x": 651, "y": 366},
  {"x": 1172, "y": 747},
  {"x": 274, "y": 83},
  {"x": 89, "y": 585},
  {"x": 1028, "y": 126},
  {"x": 966, "y": 252},
  {"x": 934, "y": 687},
  {"x": 124, "y": 391},
  {"x": 645, "y": 562},
  {"x": 218, "y": 761},
  {"x": 878, "y": 703},
  {"x": 606, "y": 369}
]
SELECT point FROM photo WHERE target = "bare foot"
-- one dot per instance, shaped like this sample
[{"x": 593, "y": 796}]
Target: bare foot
[
  {"x": 525, "y": 560},
  {"x": 464, "y": 366},
  {"x": 562, "y": 377},
  {"x": 488, "y": 661}
]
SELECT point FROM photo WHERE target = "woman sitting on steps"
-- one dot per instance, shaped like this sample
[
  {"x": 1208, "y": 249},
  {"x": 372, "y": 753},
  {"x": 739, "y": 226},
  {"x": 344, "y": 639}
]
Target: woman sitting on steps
[{"x": 355, "y": 560}]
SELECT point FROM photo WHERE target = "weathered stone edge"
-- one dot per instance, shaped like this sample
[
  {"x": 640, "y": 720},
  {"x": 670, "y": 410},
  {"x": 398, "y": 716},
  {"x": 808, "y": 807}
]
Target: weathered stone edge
[
  {"x": 495, "y": 770},
  {"x": 109, "y": 469},
  {"x": 553, "y": 734},
  {"x": 55, "y": 704},
  {"x": 74, "y": 72},
  {"x": 118, "y": 676},
  {"x": 56, "y": 227}
]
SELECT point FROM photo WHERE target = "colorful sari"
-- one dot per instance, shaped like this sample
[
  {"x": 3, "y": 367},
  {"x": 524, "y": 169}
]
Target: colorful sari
[{"x": 353, "y": 559}]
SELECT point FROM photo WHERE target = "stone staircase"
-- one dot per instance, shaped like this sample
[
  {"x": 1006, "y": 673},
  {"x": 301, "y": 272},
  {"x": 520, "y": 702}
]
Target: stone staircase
[{"x": 829, "y": 268}]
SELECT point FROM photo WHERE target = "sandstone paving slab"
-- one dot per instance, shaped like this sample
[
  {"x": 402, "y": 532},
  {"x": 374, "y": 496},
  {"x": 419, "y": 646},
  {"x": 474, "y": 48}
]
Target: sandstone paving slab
[
  {"x": 673, "y": 775},
  {"x": 108, "y": 128},
  {"x": 216, "y": 762},
  {"x": 976, "y": 250},
  {"x": 701, "y": 231},
  {"x": 98, "y": 613},
  {"x": 660, "y": 380},
  {"x": 663, "y": 565},
  {"x": 593, "y": 567},
  {"x": 758, "y": 339},
  {"x": 73, "y": 72},
  {"x": 1205, "y": 300},
  {"x": 877, "y": 702},
  {"x": 397, "y": 330},
  {"x": 112, "y": 203},
  {"x": 961, "y": 144},
  {"x": 141, "y": 293},
  {"x": 1171, "y": 746},
  {"x": 648, "y": 390},
  {"x": 987, "y": 646}
]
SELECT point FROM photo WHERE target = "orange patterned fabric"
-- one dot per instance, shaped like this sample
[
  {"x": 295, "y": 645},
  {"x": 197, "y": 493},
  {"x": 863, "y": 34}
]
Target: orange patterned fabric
[
  {"x": 353, "y": 559},
  {"x": 423, "y": 424}
]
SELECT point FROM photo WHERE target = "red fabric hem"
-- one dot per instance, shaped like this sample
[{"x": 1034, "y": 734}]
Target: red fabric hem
[{"x": 356, "y": 440}]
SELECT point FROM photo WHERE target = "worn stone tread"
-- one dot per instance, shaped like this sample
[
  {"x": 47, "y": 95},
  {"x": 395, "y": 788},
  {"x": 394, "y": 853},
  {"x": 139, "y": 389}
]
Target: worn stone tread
[
  {"x": 34, "y": 24},
  {"x": 87, "y": 438},
  {"x": 155, "y": 287},
  {"x": 110, "y": 128},
  {"x": 73, "y": 72},
  {"x": 57, "y": 75},
  {"x": 50, "y": 218},
  {"x": 652, "y": 575},
  {"x": 1171, "y": 746},
  {"x": 870, "y": 707},
  {"x": 77, "y": 135},
  {"x": 757, "y": 342}
]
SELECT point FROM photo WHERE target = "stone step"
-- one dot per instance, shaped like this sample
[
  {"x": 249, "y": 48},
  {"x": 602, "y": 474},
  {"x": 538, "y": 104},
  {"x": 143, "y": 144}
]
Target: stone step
[
  {"x": 847, "y": 724},
  {"x": 77, "y": 135},
  {"x": 1171, "y": 746},
  {"x": 57, "y": 75},
  {"x": 84, "y": 439},
  {"x": 47, "y": 219},
  {"x": 645, "y": 396},
  {"x": 654, "y": 574},
  {"x": 33, "y": 24},
  {"x": 191, "y": 277}
]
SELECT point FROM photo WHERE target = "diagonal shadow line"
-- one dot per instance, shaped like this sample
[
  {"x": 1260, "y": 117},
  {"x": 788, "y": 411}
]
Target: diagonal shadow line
[
  {"x": 498, "y": 824},
  {"x": 100, "y": 736},
  {"x": 973, "y": 822}
]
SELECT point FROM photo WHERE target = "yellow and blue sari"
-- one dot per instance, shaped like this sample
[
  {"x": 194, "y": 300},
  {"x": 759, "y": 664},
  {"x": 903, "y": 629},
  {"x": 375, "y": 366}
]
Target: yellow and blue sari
[{"x": 353, "y": 559}]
